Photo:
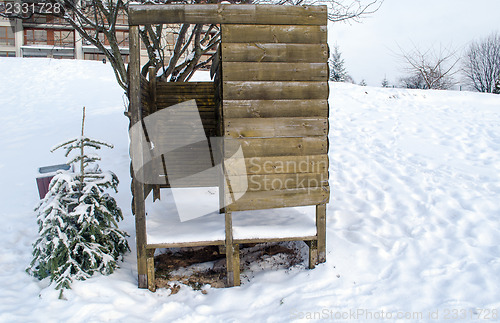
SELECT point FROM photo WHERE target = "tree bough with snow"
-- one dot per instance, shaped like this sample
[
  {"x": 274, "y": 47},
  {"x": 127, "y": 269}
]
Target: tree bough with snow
[{"x": 78, "y": 230}]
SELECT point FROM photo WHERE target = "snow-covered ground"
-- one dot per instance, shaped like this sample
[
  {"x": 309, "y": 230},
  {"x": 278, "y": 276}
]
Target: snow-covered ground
[{"x": 413, "y": 221}]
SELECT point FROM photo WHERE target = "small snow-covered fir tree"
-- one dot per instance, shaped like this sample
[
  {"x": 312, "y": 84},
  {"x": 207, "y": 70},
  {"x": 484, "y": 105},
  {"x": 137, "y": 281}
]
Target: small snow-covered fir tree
[
  {"x": 78, "y": 231},
  {"x": 363, "y": 82},
  {"x": 336, "y": 63}
]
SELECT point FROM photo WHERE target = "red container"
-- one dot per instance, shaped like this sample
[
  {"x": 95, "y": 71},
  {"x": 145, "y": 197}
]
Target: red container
[
  {"x": 43, "y": 185},
  {"x": 49, "y": 172}
]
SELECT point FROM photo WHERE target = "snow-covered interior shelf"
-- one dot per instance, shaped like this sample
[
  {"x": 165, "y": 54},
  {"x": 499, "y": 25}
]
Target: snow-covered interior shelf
[{"x": 164, "y": 225}]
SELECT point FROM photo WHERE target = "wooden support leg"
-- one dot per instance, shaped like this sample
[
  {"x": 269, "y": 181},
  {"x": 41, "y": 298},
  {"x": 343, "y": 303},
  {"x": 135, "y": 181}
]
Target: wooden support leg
[
  {"x": 236, "y": 264},
  {"x": 321, "y": 231},
  {"x": 137, "y": 187},
  {"x": 232, "y": 254},
  {"x": 313, "y": 253},
  {"x": 151, "y": 269},
  {"x": 156, "y": 193},
  {"x": 229, "y": 266},
  {"x": 222, "y": 208},
  {"x": 140, "y": 234},
  {"x": 229, "y": 249},
  {"x": 233, "y": 265}
]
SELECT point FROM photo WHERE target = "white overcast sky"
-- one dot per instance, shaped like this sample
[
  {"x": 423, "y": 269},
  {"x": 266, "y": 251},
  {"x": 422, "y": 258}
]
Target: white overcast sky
[{"x": 370, "y": 47}]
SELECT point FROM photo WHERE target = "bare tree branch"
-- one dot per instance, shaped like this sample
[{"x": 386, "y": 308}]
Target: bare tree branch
[
  {"x": 429, "y": 69},
  {"x": 481, "y": 64}
]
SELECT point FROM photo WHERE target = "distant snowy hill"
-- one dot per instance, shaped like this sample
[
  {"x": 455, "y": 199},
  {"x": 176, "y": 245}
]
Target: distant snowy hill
[{"x": 413, "y": 221}]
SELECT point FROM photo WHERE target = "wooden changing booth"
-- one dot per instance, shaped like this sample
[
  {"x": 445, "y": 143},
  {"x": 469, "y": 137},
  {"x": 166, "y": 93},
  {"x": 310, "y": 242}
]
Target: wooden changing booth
[{"x": 270, "y": 95}]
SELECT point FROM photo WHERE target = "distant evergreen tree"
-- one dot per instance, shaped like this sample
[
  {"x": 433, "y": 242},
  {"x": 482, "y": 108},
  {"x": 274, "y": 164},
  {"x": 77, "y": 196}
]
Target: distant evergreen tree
[
  {"x": 337, "y": 69},
  {"x": 363, "y": 82},
  {"x": 497, "y": 86},
  {"x": 78, "y": 231},
  {"x": 385, "y": 82}
]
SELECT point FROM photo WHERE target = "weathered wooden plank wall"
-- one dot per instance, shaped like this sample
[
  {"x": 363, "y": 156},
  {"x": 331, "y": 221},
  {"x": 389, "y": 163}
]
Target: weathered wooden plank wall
[
  {"x": 188, "y": 161},
  {"x": 171, "y": 93},
  {"x": 269, "y": 95},
  {"x": 274, "y": 105}
]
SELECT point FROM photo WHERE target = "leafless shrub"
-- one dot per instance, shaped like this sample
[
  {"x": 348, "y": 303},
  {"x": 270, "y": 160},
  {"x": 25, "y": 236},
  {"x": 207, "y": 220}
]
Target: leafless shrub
[
  {"x": 481, "y": 64},
  {"x": 429, "y": 69}
]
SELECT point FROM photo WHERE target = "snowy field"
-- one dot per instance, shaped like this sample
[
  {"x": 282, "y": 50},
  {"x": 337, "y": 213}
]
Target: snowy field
[{"x": 413, "y": 224}]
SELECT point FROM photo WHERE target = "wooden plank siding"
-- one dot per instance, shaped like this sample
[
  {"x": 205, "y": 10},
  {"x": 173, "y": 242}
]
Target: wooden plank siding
[
  {"x": 259, "y": 200},
  {"x": 265, "y": 71},
  {"x": 188, "y": 162},
  {"x": 272, "y": 34},
  {"x": 171, "y": 93},
  {"x": 274, "y": 182},
  {"x": 276, "y": 127},
  {"x": 275, "y": 107},
  {"x": 145, "y": 96},
  {"x": 273, "y": 147},
  {"x": 273, "y": 52},
  {"x": 227, "y": 14},
  {"x": 286, "y": 164},
  {"x": 262, "y": 90}
]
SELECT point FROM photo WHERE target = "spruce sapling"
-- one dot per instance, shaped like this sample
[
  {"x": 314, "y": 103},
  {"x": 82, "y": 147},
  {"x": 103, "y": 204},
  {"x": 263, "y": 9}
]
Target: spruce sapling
[{"x": 78, "y": 231}]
